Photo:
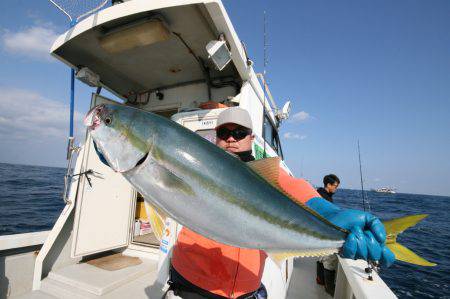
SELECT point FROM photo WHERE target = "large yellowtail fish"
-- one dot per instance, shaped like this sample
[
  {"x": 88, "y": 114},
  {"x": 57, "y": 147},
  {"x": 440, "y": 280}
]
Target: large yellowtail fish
[{"x": 211, "y": 192}]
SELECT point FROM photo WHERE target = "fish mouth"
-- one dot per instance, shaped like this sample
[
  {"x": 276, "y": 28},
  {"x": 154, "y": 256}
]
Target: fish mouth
[{"x": 92, "y": 119}]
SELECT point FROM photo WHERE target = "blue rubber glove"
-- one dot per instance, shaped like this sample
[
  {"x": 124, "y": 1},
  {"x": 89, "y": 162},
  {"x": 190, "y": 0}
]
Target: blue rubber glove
[{"x": 367, "y": 234}]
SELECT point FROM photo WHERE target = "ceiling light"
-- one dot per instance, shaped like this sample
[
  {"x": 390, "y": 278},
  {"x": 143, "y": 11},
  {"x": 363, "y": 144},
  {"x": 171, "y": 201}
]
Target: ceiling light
[{"x": 137, "y": 35}]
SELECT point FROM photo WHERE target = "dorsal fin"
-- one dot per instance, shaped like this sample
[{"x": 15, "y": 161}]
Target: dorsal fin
[{"x": 268, "y": 169}]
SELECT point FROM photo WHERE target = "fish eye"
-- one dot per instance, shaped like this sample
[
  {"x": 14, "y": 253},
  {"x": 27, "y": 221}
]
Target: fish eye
[{"x": 108, "y": 120}]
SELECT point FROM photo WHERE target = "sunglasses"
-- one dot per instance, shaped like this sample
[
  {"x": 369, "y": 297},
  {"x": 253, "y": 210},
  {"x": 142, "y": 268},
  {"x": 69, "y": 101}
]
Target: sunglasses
[{"x": 237, "y": 134}]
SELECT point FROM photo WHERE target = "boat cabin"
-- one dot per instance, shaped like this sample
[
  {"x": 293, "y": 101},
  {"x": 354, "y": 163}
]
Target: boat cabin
[{"x": 179, "y": 59}]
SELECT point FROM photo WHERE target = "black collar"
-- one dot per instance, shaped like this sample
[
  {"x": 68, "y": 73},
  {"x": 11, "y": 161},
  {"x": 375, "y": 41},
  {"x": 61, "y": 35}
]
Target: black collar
[{"x": 245, "y": 156}]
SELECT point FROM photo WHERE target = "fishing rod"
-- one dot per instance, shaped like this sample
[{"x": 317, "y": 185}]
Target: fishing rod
[
  {"x": 370, "y": 265},
  {"x": 363, "y": 193}
]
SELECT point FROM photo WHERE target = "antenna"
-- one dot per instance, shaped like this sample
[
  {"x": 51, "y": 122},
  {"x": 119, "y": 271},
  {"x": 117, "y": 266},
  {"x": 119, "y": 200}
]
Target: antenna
[
  {"x": 264, "y": 83},
  {"x": 265, "y": 44}
]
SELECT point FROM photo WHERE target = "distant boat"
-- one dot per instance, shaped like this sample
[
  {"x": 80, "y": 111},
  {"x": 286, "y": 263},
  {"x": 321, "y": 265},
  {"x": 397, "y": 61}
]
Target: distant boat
[{"x": 384, "y": 190}]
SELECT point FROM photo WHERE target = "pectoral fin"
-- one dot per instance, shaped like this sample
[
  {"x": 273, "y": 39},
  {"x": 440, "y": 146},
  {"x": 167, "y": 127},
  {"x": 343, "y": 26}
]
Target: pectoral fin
[{"x": 170, "y": 181}]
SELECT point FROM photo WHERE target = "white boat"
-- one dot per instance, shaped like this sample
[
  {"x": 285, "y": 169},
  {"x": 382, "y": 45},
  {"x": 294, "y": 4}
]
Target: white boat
[
  {"x": 103, "y": 220},
  {"x": 385, "y": 190}
]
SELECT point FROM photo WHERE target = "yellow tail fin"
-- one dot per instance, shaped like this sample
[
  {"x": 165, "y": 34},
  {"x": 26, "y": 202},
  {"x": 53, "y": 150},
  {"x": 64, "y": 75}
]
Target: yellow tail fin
[{"x": 396, "y": 226}]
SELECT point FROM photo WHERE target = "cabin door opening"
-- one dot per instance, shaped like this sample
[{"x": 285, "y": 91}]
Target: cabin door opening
[{"x": 147, "y": 223}]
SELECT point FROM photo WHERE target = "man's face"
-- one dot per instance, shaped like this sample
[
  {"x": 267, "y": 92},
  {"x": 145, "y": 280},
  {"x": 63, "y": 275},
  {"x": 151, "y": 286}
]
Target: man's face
[
  {"x": 232, "y": 145},
  {"x": 332, "y": 187}
]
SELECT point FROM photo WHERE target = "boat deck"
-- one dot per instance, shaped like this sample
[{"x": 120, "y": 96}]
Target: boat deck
[
  {"x": 87, "y": 281},
  {"x": 139, "y": 281},
  {"x": 303, "y": 281}
]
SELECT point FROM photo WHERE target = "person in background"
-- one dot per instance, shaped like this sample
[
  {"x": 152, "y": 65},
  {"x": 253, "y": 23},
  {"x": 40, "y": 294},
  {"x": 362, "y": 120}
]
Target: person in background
[
  {"x": 330, "y": 184},
  {"x": 326, "y": 266}
]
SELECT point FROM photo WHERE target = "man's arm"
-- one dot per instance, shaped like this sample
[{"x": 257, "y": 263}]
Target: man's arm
[{"x": 367, "y": 234}]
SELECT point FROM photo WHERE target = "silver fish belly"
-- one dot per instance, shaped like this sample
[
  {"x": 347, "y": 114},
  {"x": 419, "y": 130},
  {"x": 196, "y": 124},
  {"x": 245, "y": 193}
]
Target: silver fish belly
[{"x": 240, "y": 213}]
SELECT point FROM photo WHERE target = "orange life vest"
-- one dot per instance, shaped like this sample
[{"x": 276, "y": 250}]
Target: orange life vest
[
  {"x": 217, "y": 268},
  {"x": 226, "y": 270}
]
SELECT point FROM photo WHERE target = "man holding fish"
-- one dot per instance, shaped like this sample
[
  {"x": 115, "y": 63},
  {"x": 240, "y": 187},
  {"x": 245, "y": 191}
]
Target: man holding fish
[
  {"x": 234, "y": 213},
  {"x": 207, "y": 268},
  {"x": 201, "y": 266}
]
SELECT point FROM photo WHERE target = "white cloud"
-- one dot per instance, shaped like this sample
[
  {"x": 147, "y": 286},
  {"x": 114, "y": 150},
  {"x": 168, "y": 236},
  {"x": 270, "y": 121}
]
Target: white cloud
[
  {"x": 26, "y": 115},
  {"x": 34, "y": 41},
  {"x": 290, "y": 135},
  {"x": 301, "y": 116}
]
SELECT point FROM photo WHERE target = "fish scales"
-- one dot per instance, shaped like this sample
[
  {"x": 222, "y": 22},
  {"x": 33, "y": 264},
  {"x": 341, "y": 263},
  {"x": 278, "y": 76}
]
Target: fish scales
[{"x": 203, "y": 187}]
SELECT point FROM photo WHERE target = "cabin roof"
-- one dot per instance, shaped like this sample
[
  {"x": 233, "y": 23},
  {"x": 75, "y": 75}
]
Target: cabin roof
[{"x": 157, "y": 65}]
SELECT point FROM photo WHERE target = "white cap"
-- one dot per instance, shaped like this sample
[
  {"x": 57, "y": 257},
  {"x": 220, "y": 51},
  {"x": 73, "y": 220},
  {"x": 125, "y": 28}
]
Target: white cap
[{"x": 235, "y": 115}]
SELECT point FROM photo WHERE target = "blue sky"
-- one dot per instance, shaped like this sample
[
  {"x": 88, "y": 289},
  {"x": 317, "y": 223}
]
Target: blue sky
[{"x": 377, "y": 71}]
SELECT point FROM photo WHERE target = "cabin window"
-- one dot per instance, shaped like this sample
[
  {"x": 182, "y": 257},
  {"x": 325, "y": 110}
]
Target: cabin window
[{"x": 271, "y": 136}]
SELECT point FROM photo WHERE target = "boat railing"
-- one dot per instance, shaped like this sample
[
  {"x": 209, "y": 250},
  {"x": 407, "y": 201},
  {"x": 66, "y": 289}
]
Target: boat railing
[
  {"x": 14, "y": 242},
  {"x": 352, "y": 281}
]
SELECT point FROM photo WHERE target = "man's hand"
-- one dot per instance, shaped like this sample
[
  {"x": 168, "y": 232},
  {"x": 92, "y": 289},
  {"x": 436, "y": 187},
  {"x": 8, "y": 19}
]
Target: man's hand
[
  {"x": 367, "y": 234},
  {"x": 366, "y": 238}
]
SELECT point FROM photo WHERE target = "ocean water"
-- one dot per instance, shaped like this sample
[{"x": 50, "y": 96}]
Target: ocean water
[
  {"x": 30, "y": 197},
  {"x": 31, "y": 200},
  {"x": 429, "y": 239}
]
